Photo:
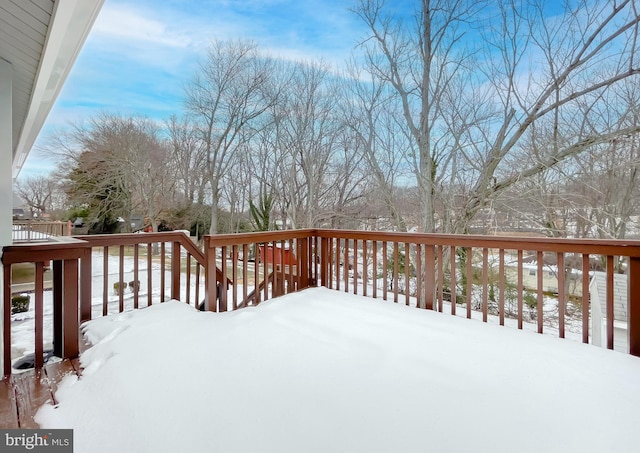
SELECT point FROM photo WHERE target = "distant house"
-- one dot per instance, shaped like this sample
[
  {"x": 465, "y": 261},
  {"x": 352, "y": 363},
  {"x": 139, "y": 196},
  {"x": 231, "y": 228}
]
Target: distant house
[
  {"x": 530, "y": 277},
  {"x": 549, "y": 275},
  {"x": 598, "y": 293},
  {"x": 18, "y": 214},
  {"x": 20, "y": 209},
  {"x": 137, "y": 222}
]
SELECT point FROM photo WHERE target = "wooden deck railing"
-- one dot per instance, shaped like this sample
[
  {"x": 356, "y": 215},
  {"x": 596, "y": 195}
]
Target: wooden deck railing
[
  {"x": 65, "y": 254},
  {"x": 261, "y": 266},
  {"x": 172, "y": 255},
  {"x": 38, "y": 231},
  {"x": 475, "y": 274},
  {"x": 462, "y": 275},
  {"x": 130, "y": 271}
]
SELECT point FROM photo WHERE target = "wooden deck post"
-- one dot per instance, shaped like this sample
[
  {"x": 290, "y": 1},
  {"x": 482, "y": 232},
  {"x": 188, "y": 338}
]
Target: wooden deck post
[
  {"x": 324, "y": 262},
  {"x": 57, "y": 308},
  {"x": 6, "y": 340},
  {"x": 634, "y": 306},
  {"x": 277, "y": 289},
  {"x": 222, "y": 297},
  {"x": 85, "y": 286},
  {"x": 70, "y": 330},
  {"x": 65, "y": 308},
  {"x": 430, "y": 281},
  {"x": 305, "y": 263},
  {"x": 175, "y": 270},
  {"x": 210, "y": 294},
  {"x": 7, "y": 91},
  {"x": 39, "y": 312}
]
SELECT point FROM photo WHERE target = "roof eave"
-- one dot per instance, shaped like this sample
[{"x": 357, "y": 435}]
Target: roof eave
[{"x": 70, "y": 24}]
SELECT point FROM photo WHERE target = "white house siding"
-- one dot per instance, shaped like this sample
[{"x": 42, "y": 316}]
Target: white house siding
[
  {"x": 23, "y": 33},
  {"x": 598, "y": 293},
  {"x": 6, "y": 147}
]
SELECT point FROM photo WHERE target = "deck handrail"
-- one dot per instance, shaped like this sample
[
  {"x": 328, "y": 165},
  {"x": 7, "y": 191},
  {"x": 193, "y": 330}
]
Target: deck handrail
[
  {"x": 624, "y": 247},
  {"x": 101, "y": 240},
  {"x": 428, "y": 253}
]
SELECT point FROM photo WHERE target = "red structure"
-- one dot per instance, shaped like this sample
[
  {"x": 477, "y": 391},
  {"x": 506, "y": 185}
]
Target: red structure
[{"x": 277, "y": 255}]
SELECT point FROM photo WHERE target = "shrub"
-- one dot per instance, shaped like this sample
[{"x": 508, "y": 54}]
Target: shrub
[
  {"x": 116, "y": 287},
  {"x": 20, "y": 304},
  {"x": 530, "y": 299},
  {"x": 134, "y": 286}
]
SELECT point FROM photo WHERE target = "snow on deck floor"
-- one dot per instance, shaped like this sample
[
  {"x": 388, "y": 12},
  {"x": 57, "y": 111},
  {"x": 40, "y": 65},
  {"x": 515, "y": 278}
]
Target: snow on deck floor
[{"x": 324, "y": 371}]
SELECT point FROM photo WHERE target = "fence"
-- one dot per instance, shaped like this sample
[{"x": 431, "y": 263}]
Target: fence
[{"x": 37, "y": 231}]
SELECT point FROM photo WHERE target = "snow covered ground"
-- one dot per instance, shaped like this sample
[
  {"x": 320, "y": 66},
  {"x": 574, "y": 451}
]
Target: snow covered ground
[{"x": 324, "y": 371}]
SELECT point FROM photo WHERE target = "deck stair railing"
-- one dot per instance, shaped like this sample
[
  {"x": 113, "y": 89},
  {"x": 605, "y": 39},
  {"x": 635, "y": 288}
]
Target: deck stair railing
[
  {"x": 261, "y": 265},
  {"x": 135, "y": 271}
]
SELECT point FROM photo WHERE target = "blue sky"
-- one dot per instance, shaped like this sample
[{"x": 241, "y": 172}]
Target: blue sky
[{"x": 140, "y": 53}]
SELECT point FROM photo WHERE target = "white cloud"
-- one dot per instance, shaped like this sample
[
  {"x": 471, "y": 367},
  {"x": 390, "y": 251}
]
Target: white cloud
[
  {"x": 125, "y": 22},
  {"x": 141, "y": 52}
]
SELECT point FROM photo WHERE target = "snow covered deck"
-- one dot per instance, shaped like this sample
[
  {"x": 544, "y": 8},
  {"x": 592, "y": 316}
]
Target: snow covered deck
[
  {"x": 21, "y": 395},
  {"x": 320, "y": 371},
  {"x": 453, "y": 277}
]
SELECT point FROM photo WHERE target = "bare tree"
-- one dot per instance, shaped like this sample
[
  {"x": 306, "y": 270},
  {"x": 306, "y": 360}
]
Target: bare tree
[
  {"x": 189, "y": 158},
  {"x": 235, "y": 192},
  {"x": 116, "y": 166},
  {"x": 149, "y": 172},
  {"x": 350, "y": 183},
  {"x": 419, "y": 67},
  {"x": 266, "y": 182},
  {"x": 40, "y": 193},
  {"x": 230, "y": 90},
  {"x": 530, "y": 73},
  {"x": 189, "y": 163},
  {"x": 373, "y": 120},
  {"x": 584, "y": 53},
  {"x": 615, "y": 189},
  {"x": 306, "y": 131},
  {"x": 595, "y": 193}
]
